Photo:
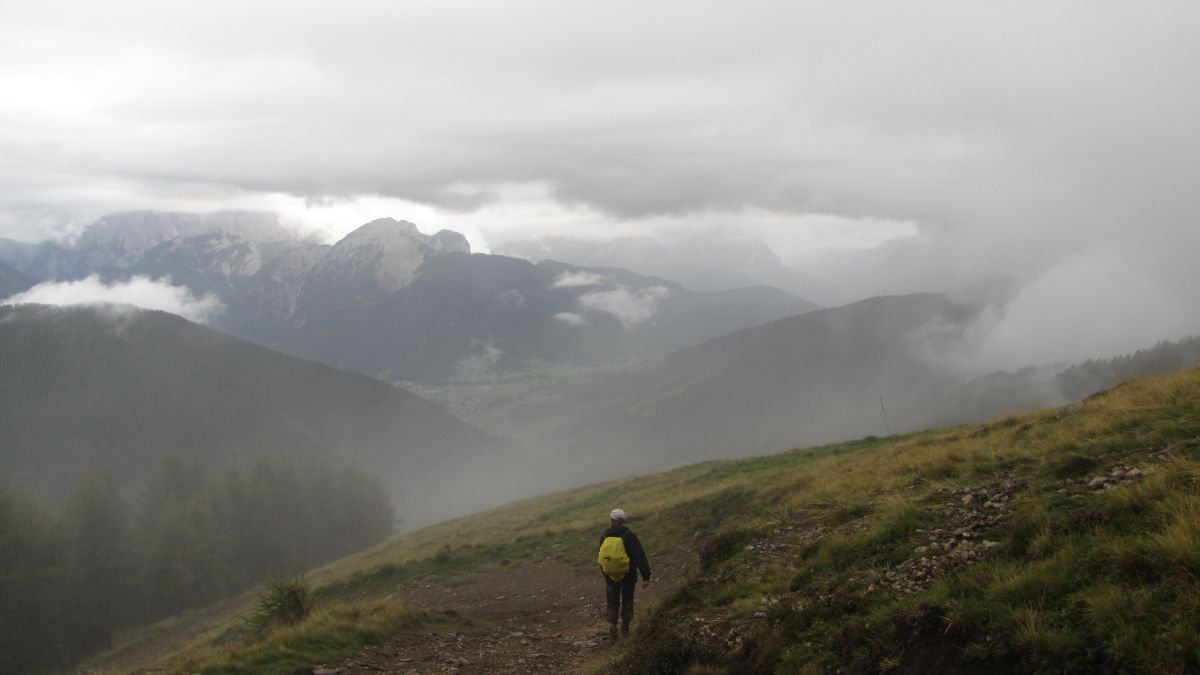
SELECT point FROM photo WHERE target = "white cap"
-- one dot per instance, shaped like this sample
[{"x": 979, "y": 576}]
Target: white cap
[{"x": 617, "y": 514}]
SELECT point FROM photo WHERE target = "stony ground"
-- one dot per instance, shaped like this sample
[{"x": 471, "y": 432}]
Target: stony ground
[
  {"x": 538, "y": 617},
  {"x": 963, "y": 529}
]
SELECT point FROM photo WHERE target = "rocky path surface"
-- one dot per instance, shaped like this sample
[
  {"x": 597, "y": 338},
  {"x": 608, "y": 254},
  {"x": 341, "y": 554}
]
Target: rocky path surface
[{"x": 535, "y": 617}]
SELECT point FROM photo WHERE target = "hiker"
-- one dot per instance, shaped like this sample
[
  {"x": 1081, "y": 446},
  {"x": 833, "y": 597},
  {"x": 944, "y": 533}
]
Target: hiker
[{"x": 621, "y": 559}]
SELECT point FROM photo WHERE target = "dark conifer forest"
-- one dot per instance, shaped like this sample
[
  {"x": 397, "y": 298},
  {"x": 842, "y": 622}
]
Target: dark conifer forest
[{"x": 71, "y": 575}]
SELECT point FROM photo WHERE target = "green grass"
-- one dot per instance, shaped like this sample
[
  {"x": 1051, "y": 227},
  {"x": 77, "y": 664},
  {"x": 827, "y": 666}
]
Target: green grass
[{"x": 1086, "y": 581}]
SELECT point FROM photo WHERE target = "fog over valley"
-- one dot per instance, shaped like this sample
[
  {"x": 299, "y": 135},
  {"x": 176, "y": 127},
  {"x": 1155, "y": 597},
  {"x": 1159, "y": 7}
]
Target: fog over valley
[{"x": 280, "y": 283}]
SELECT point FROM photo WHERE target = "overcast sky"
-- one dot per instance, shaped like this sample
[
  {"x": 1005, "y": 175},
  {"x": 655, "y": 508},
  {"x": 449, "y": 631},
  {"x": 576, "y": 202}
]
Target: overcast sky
[{"x": 946, "y": 145}]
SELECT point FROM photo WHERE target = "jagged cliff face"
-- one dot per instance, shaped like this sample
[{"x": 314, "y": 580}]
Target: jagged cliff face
[
  {"x": 259, "y": 282},
  {"x": 121, "y": 241},
  {"x": 218, "y": 258},
  {"x": 275, "y": 290}
]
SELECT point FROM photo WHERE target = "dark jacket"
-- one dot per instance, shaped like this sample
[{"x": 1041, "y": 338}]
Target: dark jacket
[{"x": 633, "y": 548}]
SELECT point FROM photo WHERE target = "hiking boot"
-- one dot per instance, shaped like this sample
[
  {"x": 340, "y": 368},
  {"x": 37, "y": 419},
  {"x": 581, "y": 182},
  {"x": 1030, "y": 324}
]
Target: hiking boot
[
  {"x": 612, "y": 633},
  {"x": 625, "y": 629}
]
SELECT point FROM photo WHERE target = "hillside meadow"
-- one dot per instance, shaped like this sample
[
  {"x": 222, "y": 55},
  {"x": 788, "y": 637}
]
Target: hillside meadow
[{"x": 1060, "y": 540}]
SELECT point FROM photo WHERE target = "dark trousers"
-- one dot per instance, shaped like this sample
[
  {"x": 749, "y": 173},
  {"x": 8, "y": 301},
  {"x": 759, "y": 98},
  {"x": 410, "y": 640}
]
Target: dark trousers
[{"x": 620, "y": 597}]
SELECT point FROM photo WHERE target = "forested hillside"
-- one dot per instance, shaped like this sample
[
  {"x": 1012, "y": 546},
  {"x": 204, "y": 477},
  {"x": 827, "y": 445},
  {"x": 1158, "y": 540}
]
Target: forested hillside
[
  {"x": 111, "y": 388},
  {"x": 73, "y": 574},
  {"x": 1095, "y": 375}
]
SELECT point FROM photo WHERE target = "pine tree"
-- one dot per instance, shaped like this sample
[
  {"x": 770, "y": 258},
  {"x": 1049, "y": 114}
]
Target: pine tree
[
  {"x": 31, "y": 574},
  {"x": 100, "y": 560}
]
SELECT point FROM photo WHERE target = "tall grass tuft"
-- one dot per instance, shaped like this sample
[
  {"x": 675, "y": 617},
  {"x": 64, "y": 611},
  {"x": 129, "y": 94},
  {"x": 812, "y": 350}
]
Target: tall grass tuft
[
  {"x": 284, "y": 602},
  {"x": 329, "y": 633}
]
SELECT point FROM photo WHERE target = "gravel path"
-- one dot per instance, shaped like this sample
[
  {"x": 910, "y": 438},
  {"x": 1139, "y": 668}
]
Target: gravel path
[{"x": 538, "y": 617}]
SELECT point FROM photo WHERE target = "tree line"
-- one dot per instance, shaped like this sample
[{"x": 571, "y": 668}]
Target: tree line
[
  {"x": 70, "y": 576},
  {"x": 1096, "y": 375}
]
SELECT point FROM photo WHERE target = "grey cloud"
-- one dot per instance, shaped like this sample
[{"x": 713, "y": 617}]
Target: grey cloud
[
  {"x": 812, "y": 107},
  {"x": 1017, "y": 137}
]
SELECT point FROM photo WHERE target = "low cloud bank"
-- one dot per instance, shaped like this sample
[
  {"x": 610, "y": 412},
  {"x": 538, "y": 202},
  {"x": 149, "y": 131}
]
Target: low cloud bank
[
  {"x": 480, "y": 365},
  {"x": 630, "y": 307},
  {"x": 1095, "y": 304},
  {"x": 576, "y": 279},
  {"x": 571, "y": 318},
  {"x": 139, "y": 291}
]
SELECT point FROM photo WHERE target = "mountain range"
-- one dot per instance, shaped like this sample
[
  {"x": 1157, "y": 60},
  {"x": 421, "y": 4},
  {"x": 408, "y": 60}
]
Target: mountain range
[
  {"x": 392, "y": 302},
  {"x": 117, "y": 241}
]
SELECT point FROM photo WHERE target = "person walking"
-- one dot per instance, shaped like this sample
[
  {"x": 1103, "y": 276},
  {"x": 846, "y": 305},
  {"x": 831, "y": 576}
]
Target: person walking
[{"x": 621, "y": 559}]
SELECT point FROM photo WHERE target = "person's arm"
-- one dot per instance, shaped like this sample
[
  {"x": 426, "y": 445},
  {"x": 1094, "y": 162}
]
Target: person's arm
[{"x": 637, "y": 554}]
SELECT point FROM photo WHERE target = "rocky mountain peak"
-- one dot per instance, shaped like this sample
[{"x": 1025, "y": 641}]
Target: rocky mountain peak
[
  {"x": 449, "y": 241},
  {"x": 385, "y": 230},
  {"x": 391, "y": 251}
]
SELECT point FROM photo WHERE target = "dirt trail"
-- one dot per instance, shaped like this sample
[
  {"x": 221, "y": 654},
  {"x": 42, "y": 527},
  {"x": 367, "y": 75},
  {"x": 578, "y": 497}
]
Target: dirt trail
[{"x": 535, "y": 617}]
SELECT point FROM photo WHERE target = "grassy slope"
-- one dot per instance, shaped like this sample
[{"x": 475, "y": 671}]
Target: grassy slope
[{"x": 1073, "y": 579}]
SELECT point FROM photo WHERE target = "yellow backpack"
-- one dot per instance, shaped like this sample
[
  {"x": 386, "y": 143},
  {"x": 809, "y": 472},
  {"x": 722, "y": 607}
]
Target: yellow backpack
[{"x": 613, "y": 559}]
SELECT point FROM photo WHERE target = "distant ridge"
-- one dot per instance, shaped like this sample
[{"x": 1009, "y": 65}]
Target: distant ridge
[
  {"x": 13, "y": 281},
  {"x": 812, "y": 378}
]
